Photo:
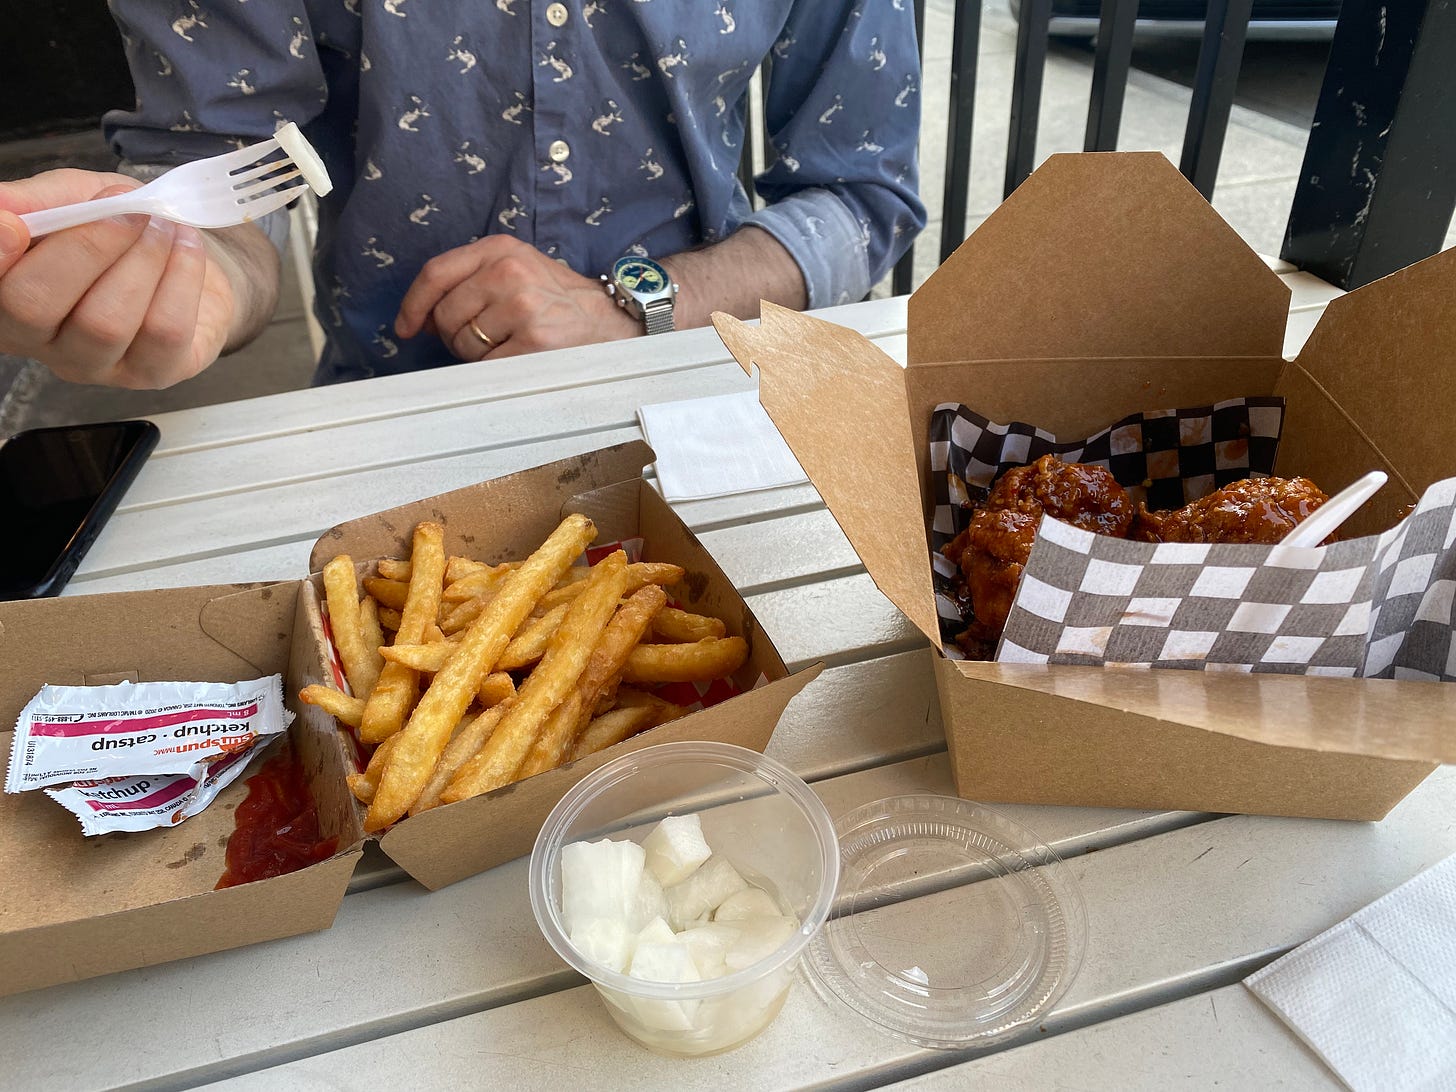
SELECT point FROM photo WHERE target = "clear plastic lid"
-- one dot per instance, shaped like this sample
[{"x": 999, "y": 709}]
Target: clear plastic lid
[{"x": 954, "y": 926}]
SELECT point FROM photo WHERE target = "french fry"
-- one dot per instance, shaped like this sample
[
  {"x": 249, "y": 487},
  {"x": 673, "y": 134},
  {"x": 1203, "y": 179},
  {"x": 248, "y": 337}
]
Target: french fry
[
  {"x": 363, "y": 785},
  {"x": 529, "y": 645},
  {"x": 672, "y": 624},
  {"x": 456, "y": 683},
  {"x": 473, "y": 585},
  {"x": 458, "y": 568},
  {"x": 458, "y": 751},
  {"x": 433, "y": 636},
  {"x": 431, "y": 657},
  {"x": 425, "y": 657},
  {"x": 611, "y": 728},
  {"x": 389, "y": 618},
  {"x": 547, "y": 751},
  {"x": 369, "y": 625},
  {"x": 630, "y": 696},
  {"x": 710, "y": 658},
  {"x": 335, "y": 702},
  {"x": 608, "y": 700},
  {"x": 494, "y": 689},
  {"x": 455, "y": 618},
  {"x": 398, "y": 686},
  {"x": 341, "y": 592},
  {"x": 569, "y": 718},
  {"x": 639, "y": 575},
  {"x": 574, "y": 575},
  {"x": 393, "y": 568},
  {"x": 555, "y": 676},
  {"x": 390, "y": 593}
]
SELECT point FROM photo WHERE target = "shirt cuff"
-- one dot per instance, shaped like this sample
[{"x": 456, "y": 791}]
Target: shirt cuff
[{"x": 826, "y": 241}]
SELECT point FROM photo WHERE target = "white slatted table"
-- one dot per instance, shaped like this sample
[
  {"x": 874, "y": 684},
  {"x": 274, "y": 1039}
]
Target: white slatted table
[{"x": 458, "y": 989}]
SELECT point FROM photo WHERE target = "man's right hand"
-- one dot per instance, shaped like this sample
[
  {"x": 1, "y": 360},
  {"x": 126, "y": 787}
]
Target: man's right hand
[{"x": 127, "y": 302}]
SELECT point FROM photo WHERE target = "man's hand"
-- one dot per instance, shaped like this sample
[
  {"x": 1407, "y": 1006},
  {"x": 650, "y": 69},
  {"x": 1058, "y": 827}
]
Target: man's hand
[
  {"x": 127, "y": 302},
  {"x": 520, "y": 299},
  {"x": 524, "y": 301}
]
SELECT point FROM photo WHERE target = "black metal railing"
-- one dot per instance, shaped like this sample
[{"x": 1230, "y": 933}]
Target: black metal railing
[
  {"x": 1215, "y": 79},
  {"x": 1378, "y": 185}
]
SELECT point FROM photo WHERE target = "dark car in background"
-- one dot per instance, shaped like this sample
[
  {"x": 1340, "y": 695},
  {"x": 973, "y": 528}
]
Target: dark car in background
[{"x": 1288, "y": 19}]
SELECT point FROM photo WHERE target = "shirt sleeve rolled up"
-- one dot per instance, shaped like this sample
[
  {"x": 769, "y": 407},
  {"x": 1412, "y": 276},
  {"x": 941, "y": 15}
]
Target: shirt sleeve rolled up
[{"x": 842, "y": 110}]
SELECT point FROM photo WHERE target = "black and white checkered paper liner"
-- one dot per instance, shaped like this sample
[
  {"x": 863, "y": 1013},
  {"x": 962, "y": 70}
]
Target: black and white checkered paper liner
[
  {"x": 1165, "y": 458},
  {"x": 1383, "y": 606}
]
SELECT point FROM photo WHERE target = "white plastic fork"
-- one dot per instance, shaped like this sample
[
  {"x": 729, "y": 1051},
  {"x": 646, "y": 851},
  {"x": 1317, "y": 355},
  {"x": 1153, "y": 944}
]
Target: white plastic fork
[
  {"x": 1327, "y": 518},
  {"x": 223, "y": 191}
]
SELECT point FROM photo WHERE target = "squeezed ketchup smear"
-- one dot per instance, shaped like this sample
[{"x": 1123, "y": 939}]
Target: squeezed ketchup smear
[{"x": 276, "y": 829}]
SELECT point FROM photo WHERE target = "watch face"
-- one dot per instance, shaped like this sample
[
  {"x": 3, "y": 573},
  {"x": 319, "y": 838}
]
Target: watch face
[{"x": 640, "y": 275}]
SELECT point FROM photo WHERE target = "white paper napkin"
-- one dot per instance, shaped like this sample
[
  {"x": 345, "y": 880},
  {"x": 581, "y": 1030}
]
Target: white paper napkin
[
  {"x": 1375, "y": 996},
  {"x": 716, "y": 447}
]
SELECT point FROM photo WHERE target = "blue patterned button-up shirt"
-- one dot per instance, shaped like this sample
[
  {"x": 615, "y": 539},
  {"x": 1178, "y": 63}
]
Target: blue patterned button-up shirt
[{"x": 588, "y": 128}]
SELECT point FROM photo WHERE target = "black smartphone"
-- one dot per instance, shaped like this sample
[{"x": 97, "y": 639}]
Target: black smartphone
[{"x": 58, "y": 487}]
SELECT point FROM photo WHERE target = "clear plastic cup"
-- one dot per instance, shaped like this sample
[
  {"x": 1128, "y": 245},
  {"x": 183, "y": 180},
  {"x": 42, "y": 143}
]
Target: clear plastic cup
[{"x": 756, "y": 813}]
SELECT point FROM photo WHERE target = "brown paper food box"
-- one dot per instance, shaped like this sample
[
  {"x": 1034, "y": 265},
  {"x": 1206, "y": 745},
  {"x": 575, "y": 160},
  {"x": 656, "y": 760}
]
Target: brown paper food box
[
  {"x": 1107, "y": 285},
  {"x": 73, "y": 907}
]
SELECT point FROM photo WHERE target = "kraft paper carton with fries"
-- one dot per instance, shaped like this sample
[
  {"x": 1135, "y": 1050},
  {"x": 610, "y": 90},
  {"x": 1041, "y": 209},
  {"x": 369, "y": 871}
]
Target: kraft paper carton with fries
[
  {"x": 1107, "y": 287},
  {"x": 74, "y": 907},
  {"x": 507, "y": 519}
]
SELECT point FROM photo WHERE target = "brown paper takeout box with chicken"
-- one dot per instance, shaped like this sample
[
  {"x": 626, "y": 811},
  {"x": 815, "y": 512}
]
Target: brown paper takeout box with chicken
[
  {"x": 1104, "y": 287},
  {"x": 75, "y": 907}
]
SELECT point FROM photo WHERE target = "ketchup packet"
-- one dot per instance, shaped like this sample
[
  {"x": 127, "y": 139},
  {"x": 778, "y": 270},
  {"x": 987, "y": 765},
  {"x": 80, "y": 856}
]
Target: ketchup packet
[
  {"x": 95, "y": 733},
  {"x": 151, "y": 800}
]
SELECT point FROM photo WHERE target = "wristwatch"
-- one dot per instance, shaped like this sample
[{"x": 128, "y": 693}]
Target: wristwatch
[{"x": 644, "y": 289}]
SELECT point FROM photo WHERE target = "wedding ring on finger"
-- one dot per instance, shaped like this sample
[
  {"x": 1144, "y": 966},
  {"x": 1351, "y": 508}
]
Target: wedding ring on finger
[{"x": 485, "y": 339}]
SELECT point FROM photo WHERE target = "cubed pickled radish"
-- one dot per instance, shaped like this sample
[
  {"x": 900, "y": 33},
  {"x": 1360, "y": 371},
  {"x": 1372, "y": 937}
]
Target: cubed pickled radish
[
  {"x": 606, "y": 941},
  {"x": 676, "y": 848},
  {"x": 600, "y": 880},
  {"x": 656, "y": 931},
  {"x": 702, "y": 892},
  {"x": 649, "y": 902},
  {"x": 668, "y": 960},
  {"x": 655, "y": 961},
  {"x": 751, "y": 903},
  {"x": 758, "y": 938},
  {"x": 709, "y": 945}
]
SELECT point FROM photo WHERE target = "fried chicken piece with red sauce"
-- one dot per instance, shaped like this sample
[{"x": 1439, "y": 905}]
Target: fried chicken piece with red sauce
[
  {"x": 1084, "y": 496},
  {"x": 992, "y": 551},
  {"x": 1254, "y": 510}
]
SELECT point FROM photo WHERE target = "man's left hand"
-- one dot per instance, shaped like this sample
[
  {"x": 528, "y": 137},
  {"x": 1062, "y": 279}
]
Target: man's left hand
[{"x": 518, "y": 299}]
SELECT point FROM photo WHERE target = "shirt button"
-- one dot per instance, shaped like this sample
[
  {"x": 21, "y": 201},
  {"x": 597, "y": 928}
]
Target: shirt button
[
  {"x": 559, "y": 151},
  {"x": 556, "y": 15}
]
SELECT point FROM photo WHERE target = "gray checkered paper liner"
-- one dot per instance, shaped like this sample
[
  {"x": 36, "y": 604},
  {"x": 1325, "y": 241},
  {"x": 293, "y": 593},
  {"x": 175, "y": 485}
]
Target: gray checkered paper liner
[
  {"x": 1165, "y": 458},
  {"x": 1379, "y": 607}
]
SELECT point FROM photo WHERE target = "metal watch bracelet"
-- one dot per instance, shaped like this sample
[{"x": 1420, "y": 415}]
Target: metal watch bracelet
[{"x": 657, "y": 315}]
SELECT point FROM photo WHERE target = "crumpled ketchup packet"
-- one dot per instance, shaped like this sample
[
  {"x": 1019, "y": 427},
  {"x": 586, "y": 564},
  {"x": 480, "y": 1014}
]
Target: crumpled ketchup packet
[
  {"x": 151, "y": 800},
  {"x": 139, "y": 755}
]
